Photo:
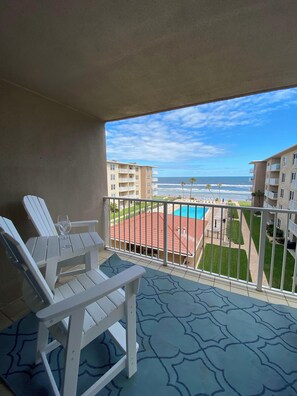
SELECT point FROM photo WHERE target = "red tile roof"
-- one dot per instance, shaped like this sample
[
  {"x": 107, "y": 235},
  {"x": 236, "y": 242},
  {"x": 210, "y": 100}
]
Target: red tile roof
[{"x": 147, "y": 229}]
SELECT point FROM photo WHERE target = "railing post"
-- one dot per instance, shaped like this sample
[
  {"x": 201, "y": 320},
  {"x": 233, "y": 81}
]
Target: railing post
[
  {"x": 106, "y": 221},
  {"x": 262, "y": 243},
  {"x": 165, "y": 228}
]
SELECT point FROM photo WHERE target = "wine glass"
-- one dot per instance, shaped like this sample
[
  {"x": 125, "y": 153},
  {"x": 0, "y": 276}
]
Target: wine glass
[{"x": 64, "y": 226}]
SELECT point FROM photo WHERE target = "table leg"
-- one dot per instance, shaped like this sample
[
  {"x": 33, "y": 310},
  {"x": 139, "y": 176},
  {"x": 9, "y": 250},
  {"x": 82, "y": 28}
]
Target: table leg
[{"x": 92, "y": 260}]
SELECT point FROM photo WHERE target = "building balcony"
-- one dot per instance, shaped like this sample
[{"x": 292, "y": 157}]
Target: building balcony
[
  {"x": 293, "y": 204},
  {"x": 293, "y": 227},
  {"x": 126, "y": 180},
  {"x": 127, "y": 188},
  {"x": 184, "y": 235},
  {"x": 271, "y": 194},
  {"x": 251, "y": 178},
  {"x": 155, "y": 180},
  {"x": 251, "y": 170},
  {"x": 272, "y": 181},
  {"x": 275, "y": 167},
  {"x": 294, "y": 184},
  {"x": 154, "y": 172}
]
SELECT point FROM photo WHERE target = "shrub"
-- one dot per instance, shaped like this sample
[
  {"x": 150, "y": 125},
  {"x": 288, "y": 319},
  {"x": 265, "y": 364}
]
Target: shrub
[{"x": 279, "y": 233}]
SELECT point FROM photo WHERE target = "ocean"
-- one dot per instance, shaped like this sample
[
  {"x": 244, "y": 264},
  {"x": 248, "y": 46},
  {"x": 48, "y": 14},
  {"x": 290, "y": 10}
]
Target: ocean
[{"x": 232, "y": 187}]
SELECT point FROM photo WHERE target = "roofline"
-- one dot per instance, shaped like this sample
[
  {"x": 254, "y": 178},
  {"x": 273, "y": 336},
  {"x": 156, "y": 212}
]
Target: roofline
[
  {"x": 294, "y": 147},
  {"x": 129, "y": 163}
]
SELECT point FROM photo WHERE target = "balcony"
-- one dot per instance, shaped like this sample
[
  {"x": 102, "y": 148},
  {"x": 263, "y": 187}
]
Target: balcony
[
  {"x": 126, "y": 179},
  {"x": 251, "y": 170},
  {"x": 155, "y": 180},
  {"x": 294, "y": 184},
  {"x": 271, "y": 194},
  {"x": 203, "y": 238},
  {"x": 275, "y": 167},
  {"x": 127, "y": 188},
  {"x": 293, "y": 227},
  {"x": 293, "y": 204},
  {"x": 272, "y": 181},
  {"x": 251, "y": 178}
]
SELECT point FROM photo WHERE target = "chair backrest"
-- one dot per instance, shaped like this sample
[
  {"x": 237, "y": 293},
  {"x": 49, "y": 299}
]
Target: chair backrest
[
  {"x": 22, "y": 259},
  {"x": 39, "y": 215}
]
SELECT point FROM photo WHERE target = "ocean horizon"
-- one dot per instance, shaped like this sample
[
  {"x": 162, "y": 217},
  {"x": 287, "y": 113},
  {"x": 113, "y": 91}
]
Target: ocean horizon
[{"x": 232, "y": 187}]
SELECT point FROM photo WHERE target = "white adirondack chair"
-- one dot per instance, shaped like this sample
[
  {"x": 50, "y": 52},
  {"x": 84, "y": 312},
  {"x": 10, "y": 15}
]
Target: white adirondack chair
[
  {"x": 78, "y": 312},
  {"x": 39, "y": 215}
]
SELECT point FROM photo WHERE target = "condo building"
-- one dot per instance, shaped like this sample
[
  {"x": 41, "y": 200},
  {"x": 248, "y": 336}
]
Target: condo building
[
  {"x": 276, "y": 178},
  {"x": 130, "y": 180}
]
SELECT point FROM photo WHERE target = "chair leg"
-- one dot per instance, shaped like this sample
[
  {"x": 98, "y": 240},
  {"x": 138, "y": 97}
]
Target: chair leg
[
  {"x": 42, "y": 341},
  {"x": 131, "y": 329},
  {"x": 72, "y": 353}
]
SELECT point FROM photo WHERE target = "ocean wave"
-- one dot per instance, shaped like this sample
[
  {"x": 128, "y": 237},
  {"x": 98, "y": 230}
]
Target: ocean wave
[
  {"x": 177, "y": 191},
  {"x": 203, "y": 185}
]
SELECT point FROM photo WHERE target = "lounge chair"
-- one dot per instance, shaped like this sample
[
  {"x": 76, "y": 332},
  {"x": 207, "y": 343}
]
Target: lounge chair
[
  {"x": 39, "y": 214},
  {"x": 76, "y": 320}
]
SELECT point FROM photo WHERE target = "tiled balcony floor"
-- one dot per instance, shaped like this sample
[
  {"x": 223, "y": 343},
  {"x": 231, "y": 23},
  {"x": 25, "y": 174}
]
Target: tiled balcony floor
[{"x": 17, "y": 309}]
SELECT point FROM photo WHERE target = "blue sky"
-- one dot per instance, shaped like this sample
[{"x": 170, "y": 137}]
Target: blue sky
[{"x": 216, "y": 139}]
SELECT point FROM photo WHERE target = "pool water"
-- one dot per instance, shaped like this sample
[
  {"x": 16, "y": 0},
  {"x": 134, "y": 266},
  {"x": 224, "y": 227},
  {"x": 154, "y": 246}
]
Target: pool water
[{"x": 191, "y": 211}]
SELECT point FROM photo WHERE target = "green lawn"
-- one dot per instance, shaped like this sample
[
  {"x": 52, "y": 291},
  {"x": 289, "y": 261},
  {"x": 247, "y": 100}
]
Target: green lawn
[
  {"x": 234, "y": 232},
  {"x": 244, "y": 203},
  {"x": 278, "y": 258},
  {"x": 232, "y": 212},
  {"x": 225, "y": 257}
]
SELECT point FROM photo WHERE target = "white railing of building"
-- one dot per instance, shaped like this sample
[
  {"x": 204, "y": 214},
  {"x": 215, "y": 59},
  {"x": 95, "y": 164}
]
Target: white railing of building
[
  {"x": 275, "y": 167},
  {"x": 293, "y": 227},
  {"x": 293, "y": 204},
  {"x": 294, "y": 184},
  {"x": 212, "y": 245},
  {"x": 271, "y": 194}
]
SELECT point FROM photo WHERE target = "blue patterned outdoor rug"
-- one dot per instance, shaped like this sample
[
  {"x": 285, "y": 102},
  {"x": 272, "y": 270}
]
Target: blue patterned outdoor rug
[{"x": 194, "y": 340}]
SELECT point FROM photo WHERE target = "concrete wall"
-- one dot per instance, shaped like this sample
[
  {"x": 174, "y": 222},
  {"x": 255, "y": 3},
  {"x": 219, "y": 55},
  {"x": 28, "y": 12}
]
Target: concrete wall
[{"x": 52, "y": 151}]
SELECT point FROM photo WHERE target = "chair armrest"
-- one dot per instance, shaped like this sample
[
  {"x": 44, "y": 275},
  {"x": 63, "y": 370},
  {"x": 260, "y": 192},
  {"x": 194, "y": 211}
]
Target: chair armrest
[
  {"x": 91, "y": 224},
  {"x": 56, "y": 312}
]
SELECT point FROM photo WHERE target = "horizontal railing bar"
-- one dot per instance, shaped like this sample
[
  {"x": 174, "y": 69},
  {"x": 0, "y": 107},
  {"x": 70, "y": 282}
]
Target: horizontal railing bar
[{"x": 209, "y": 205}]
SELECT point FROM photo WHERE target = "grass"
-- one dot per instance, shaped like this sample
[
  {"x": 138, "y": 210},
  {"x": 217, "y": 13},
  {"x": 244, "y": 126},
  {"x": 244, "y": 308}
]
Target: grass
[
  {"x": 217, "y": 251},
  {"x": 244, "y": 203},
  {"x": 278, "y": 257},
  {"x": 234, "y": 232},
  {"x": 233, "y": 213}
]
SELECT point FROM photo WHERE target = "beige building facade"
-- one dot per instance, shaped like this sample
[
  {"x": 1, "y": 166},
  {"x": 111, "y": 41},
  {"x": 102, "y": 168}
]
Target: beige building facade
[
  {"x": 130, "y": 180},
  {"x": 279, "y": 184}
]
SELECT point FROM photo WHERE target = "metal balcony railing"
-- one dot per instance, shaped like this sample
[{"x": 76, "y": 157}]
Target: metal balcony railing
[
  {"x": 229, "y": 242},
  {"x": 293, "y": 205},
  {"x": 271, "y": 194}
]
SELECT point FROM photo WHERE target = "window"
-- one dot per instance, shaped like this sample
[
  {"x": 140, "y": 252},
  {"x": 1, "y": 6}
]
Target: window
[
  {"x": 113, "y": 195},
  {"x": 280, "y": 206},
  {"x": 137, "y": 169},
  {"x": 291, "y": 196},
  {"x": 148, "y": 191},
  {"x": 282, "y": 193},
  {"x": 112, "y": 177},
  {"x": 285, "y": 160},
  {"x": 279, "y": 223},
  {"x": 148, "y": 184},
  {"x": 112, "y": 166},
  {"x": 295, "y": 159},
  {"x": 283, "y": 177},
  {"x": 137, "y": 177},
  {"x": 293, "y": 176},
  {"x": 113, "y": 187}
]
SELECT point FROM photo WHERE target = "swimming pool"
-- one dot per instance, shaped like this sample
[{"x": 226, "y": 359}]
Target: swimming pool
[{"x": 191, "y": 211}]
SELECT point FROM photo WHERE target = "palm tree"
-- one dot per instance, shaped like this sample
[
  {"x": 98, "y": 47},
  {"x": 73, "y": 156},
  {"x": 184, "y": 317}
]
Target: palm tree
[
  {"x": 259, "y": 194},
  {"x": 208, "y": 186},
  {"x": 192, "y": 181},
  {"x": 219, "y": 187},
  {"x": 183, "y": 185}
]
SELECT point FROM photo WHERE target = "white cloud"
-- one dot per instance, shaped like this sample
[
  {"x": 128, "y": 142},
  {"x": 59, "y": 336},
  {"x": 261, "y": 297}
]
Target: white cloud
[
  {"x": 191, "y": 133},
  {"x": 161, "y": 147}
]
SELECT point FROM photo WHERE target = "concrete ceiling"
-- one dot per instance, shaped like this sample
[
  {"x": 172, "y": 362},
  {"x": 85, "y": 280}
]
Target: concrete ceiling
[{"x": 118, "y": 58}]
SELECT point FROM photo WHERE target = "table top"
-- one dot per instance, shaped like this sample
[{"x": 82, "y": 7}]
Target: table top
[{"x": 44, "y": 249}]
